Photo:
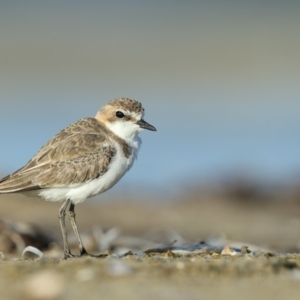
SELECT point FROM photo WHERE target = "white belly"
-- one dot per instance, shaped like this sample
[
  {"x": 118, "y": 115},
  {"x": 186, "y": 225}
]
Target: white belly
[{"x": 80, "y": 192}]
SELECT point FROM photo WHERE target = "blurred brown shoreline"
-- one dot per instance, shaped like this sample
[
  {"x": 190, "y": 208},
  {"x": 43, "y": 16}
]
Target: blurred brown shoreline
[{"x": 239, "y": 211}]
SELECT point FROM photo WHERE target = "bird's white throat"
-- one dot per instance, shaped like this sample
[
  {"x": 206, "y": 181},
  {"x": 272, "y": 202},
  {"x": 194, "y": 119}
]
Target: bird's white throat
[{"x": 127, "y": 131}]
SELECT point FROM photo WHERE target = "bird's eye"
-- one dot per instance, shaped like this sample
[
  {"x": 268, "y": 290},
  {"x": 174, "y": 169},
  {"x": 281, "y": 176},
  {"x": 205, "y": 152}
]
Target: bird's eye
[{"x": 119, "y": 114}]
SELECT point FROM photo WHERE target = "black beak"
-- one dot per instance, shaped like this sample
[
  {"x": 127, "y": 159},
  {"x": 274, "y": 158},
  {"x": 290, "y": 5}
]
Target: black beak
[{"x": 145, "y": 125}]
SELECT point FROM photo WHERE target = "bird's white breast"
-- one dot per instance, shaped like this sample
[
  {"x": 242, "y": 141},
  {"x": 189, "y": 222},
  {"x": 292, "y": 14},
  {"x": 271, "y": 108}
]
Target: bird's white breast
[{"x": 118, "y": 167}]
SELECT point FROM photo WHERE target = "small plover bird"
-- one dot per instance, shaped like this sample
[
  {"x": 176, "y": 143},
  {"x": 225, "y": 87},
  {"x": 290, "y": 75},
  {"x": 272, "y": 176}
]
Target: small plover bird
[{"x": 83, "y": 160}]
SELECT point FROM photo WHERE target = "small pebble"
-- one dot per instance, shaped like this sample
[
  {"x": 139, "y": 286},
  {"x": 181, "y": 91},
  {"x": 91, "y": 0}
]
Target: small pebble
[
  {"x": 118, "y": 268},
  {"x": 180, "y": 265},
  {"x": 227, "y": 251},
  {"x": 44, "y": 285}
]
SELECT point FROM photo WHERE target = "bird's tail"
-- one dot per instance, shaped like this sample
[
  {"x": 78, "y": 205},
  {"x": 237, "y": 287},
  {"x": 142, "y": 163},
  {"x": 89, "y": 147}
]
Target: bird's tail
[{"x": 14, "y": 184}]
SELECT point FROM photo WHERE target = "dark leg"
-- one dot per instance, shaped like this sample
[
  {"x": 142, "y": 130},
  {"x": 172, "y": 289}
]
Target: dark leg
[
  {"x": 74, "y": 226},
  {"x": 75, "y": 229},
  {"x": 61, "y": 216}
]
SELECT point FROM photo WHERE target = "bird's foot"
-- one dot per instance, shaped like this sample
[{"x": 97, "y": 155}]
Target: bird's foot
[
  {"x": 68, "y": 254},
  {"x": 83, "y": 252}
]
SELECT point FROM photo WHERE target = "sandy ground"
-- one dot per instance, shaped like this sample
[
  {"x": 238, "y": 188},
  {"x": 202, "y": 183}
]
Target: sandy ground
[
  {"x": 269, "y": 270},
  {"x": 157, "y": 277}
]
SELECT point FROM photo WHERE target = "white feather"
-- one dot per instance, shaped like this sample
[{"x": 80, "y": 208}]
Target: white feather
[{"x": 118, "y": 167}]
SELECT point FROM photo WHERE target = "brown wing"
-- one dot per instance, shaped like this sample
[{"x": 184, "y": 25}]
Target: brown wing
[{"x": 79, "y": 153}]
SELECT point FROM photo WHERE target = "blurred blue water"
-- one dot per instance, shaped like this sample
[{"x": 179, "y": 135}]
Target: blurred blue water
[{"x": 197, "y": 136}]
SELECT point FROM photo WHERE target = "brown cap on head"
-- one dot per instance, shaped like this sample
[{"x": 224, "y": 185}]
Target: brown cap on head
[
  {"x": 108, "y": 111},
  {"x": 126, "y": 104}
]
